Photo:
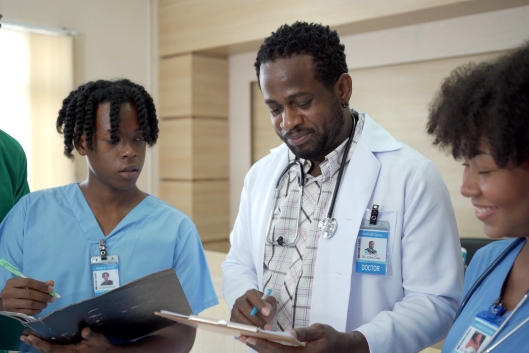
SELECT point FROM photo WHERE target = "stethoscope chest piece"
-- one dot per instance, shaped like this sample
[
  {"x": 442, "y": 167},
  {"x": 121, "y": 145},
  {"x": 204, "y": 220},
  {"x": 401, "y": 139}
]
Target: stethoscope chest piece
[{"x": 328, "y": 227}]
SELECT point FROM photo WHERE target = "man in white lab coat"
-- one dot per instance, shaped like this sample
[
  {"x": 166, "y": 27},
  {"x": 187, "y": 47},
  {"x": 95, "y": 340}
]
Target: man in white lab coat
[{"x": 333, "y": 296}]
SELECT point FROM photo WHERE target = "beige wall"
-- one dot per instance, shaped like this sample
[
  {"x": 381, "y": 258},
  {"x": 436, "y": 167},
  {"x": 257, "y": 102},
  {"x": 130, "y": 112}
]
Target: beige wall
[
  {"x": 113, "y": 40},
  {"x": 228, "y": 26}
]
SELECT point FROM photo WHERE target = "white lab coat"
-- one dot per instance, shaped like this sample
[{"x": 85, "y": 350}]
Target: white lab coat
[{"x": 412, "y": 306}]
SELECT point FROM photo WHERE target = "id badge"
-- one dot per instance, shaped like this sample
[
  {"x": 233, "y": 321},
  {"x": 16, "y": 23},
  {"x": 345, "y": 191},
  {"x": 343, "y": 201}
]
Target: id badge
[
  {"x": 478, "y": 335},
  {"x": 372, "y": 248},
  {"x": 105, "y": 273}
]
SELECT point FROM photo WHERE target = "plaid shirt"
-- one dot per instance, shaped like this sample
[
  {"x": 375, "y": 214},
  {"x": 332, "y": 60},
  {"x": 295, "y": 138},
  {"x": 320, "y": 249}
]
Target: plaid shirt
[{"x": 289, "y": 271}]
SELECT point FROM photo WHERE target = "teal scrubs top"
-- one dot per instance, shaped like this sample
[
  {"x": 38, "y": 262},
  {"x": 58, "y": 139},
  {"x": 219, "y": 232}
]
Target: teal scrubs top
[
  {"x": 52, "y": 235},
  {"x": 486, "y": 294}
]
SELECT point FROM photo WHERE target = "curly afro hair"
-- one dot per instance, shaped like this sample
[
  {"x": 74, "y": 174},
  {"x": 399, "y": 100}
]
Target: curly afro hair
[
  {"x": 488, "y": 100},
  {"x": 77, "y": 115},
  {"x": 318, "y": 41}
]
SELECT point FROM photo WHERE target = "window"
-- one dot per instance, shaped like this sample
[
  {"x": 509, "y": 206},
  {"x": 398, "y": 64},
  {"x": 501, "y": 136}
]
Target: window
[{"x": 36, "y": 74}]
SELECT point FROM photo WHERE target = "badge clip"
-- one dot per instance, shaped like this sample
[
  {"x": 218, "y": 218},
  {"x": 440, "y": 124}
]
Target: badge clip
[
  {"x": 102, "y": 249},
  {"x": 374, "y": 215}
]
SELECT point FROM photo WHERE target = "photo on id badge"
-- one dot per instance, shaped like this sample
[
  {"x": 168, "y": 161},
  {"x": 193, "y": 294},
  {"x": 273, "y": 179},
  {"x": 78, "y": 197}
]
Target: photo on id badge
[
  {"x": 477, "y": 336},
  {"x": 472, "y": 341}
]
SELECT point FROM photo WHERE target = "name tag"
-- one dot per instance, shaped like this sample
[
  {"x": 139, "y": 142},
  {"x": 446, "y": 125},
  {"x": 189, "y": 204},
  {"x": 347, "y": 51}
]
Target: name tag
[
  {"x": 105, "y": 273},
  {"x": 476, "y": 337},
  {"x": 372, "y": 248}
]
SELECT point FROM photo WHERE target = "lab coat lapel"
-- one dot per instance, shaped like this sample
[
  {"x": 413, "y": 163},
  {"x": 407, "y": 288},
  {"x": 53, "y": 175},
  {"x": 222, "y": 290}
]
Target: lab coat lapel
[
  {"x": 335, "y": 256},
  {"x": 267, "y": 183}
]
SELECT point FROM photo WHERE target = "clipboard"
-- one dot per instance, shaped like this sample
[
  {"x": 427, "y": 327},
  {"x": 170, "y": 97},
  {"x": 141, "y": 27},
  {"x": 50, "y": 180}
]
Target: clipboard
[{"x": 231, "y": 328}]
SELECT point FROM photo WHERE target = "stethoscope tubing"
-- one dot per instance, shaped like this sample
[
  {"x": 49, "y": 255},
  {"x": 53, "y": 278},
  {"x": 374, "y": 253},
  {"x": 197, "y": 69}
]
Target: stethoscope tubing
[
  {"x": 485, "y": 274},
  {"x": 301, "y": 185}
]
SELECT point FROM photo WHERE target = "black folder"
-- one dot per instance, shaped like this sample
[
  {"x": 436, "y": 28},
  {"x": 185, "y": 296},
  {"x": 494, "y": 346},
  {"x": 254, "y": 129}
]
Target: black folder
[{"x": 122, "y": 315}]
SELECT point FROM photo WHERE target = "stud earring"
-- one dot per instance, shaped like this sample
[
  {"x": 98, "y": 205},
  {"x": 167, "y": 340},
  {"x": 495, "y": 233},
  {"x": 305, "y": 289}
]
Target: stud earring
[{"x": 344, "y": 105}]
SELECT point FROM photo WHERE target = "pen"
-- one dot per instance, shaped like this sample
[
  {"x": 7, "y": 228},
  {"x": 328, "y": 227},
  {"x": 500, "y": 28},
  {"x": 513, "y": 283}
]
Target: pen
[
  {"x": 267, "y": 294},
  {"x": 16, "y": 272}
]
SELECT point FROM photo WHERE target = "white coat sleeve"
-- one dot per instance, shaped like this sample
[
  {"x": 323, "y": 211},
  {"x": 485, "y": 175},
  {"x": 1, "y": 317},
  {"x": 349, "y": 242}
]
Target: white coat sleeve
[
  {"x": 238, "y": 271},
  {"x": 432, "y": 271}
]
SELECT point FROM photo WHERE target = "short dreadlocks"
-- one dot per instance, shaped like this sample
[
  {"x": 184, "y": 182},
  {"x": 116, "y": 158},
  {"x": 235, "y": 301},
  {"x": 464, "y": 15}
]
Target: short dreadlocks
[
  {"x": 77, "y": 115},
  {"x": 315, "y": 40}
]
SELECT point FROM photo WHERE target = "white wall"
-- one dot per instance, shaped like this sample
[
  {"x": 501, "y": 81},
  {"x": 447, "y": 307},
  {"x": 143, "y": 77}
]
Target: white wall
[
  {"x": 460, "y": 36},
  {"x": 113, "y": 41}
]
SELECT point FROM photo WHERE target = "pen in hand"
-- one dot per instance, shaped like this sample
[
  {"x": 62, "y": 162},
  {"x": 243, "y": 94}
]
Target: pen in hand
[
  {"x": 16, "y": 272},
  {"x": 266, "y": 294}
]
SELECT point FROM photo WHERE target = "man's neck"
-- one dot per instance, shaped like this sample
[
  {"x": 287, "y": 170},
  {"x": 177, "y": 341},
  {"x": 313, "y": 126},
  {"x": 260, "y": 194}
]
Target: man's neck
[
  {"x": 346, "y": 132},
  {"x": 102, "y": 196}
]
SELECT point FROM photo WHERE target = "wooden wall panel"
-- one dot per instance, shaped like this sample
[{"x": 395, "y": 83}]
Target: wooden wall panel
[
  {"x": 193, "y": 149},
  {"x": 205, "y": 202},
  {"x": 194, "y": 141},
  {"x": 210, "y": 88},
  {"x": 222, "y": 246},
  {"x": 240, "y": 26},
  {"x": 178, "y": 194},
  {"x": 210, "y": 148},
  {"x": 175, "y": 87},
  {"x": 193, "y": 84},
  {"x": 264, "y": 136},
  {"x": 210, "y": 209},
  {"x": 175, "y": 149}
]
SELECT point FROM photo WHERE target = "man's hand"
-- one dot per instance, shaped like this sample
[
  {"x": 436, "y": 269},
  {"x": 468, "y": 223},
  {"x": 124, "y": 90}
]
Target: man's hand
[
  {"x": 318, "y": 338},
  {"x": 93, "y": 342},
  {"x": 26, "y": 295},
  {"x": 243, "y": 307}
]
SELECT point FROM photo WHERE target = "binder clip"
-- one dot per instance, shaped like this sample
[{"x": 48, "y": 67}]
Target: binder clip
[
  {"x": 102, "y": 249},
  {"x": 374, "y": 215}
]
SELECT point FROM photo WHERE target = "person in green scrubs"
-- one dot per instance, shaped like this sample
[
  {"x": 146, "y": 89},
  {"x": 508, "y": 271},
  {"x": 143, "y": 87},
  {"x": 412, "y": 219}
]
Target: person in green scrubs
[{"x": 13, "y": 173}]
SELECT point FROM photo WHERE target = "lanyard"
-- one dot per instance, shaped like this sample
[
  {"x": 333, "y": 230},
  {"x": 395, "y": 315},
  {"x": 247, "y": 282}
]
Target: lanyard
[{"x": 505, "y": 323}]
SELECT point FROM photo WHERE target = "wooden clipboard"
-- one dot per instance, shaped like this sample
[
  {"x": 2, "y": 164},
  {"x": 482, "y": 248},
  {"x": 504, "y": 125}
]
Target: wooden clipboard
[{"x": 230, "y": 328}]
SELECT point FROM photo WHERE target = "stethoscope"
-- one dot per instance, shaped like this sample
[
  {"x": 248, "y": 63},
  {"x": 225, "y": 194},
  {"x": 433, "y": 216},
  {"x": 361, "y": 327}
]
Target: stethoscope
[
  {"x": 327, "y": 225},
  {"x": 480, "y": 280}
]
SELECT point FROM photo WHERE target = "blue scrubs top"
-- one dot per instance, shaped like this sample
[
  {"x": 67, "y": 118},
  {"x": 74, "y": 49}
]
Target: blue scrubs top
[
  {"x": 487, "y": 293},
  {"x": 52, "y": 234}
]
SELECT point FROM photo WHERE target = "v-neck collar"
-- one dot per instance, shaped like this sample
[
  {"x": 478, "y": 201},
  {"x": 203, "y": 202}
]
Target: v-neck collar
[
  {"x": 87, "y": 220},
  {"x": 504, "y": 268}
]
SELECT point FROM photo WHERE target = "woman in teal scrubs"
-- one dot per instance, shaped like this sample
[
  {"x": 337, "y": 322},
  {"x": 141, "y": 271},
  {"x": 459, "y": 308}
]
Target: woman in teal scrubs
[{"x": 481, "y": 115}]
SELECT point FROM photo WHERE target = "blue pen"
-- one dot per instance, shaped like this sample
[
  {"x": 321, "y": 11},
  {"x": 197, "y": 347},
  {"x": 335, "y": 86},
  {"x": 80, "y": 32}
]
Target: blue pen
[{"x": 267, "y": 294}]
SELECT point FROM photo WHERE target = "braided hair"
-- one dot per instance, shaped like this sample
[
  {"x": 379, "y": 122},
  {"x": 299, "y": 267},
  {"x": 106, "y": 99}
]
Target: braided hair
[
  {"x": 302, "y": 38},
  {"x": 490, "y": 100},
  {"x": 78, "y": 112}
]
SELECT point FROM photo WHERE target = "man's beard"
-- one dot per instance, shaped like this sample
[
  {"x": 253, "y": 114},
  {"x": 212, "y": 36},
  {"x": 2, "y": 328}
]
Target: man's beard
[{"x": 321, "y": 140}]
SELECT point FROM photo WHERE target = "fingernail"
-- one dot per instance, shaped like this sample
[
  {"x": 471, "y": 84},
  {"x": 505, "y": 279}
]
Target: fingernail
[
  {"x": 265, "y": 311},
  {"x": 30, "y": 338},
  {"x": 50, "y": 289},
  {"x": 52, "y": 299},
  {"x": 242, "y": 339},
  {"x": 250, "y": 341},
  {"x": 268, "y": 327},
  {"x": 23, "y": 339}
]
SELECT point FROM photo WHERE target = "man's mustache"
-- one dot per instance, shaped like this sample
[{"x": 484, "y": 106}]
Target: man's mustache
[{"x": 289, "y": 134}]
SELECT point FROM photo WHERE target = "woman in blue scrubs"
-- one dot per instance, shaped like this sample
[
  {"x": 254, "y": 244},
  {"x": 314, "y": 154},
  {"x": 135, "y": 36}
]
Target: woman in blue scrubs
[
  {"x": 51, "y": 235},
  {"x": 481, "y": 115}
]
